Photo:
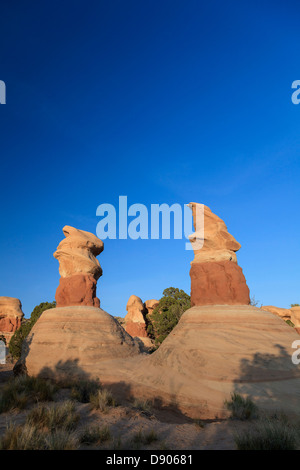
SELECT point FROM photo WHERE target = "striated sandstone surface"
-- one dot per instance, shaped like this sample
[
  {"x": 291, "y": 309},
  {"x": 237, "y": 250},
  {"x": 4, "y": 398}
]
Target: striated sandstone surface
[
  {"x": 151, "y": 305},
  {"x": 218, "y": 244},
  {"x": 74, "y": 342},
  {"x": 213, "y": 352}
]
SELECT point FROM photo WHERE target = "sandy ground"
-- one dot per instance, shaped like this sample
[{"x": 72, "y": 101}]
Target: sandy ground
[{"x": 174, "y": 432}]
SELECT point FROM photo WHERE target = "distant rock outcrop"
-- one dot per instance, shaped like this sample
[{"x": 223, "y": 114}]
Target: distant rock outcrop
[
  {"x": 135, "y": 323},
  {"x": 11, "y": 316},
  {"x": 151, "y": 305},
  {"x": 216, "y": 278},
  {"x": 284, "y": 313},
  {"x": 78, "y": 267},
  {"x": 287, "y": 314}
]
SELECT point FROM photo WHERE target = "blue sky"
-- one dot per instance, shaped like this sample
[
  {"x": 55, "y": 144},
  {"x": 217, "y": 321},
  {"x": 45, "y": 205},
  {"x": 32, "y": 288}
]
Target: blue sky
[{"x": 161, "y": 101}]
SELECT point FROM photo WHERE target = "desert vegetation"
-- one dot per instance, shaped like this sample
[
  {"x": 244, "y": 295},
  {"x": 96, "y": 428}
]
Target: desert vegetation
[
  {"x": 241, "y": 408},
  {"x": 265, "y": 431},
  {"x": 167, "y": 314},
  {"x": 17, "y": 393},
  {"x": 37, "y": 414},
  {"x": 269, "y": 433}
]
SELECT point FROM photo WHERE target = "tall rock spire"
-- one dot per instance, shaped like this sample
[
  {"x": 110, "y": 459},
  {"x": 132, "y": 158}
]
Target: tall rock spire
[
  {"x": 78, "y": 267},
  {"x": 216, "y": 278}
]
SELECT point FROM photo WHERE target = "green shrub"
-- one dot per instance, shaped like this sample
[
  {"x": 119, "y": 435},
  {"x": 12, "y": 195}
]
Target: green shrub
[
  {"x": 241, "y": 408},
  {"x": 15, "y": 344},
  {"x": 167, "y": 314},
  {"x": 295, "y": 305},
  {"x": 267, "y": 434},
  {"x": 290, "y": 323}
]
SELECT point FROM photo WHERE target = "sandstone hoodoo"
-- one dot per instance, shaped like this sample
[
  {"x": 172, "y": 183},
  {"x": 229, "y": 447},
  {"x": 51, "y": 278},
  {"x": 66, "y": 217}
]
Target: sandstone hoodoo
[
  {"x": 135, "y": 323},
  {"x": 151, "y": 305},
  {"x": 76, "y": 338},
  {"x": 216, "y": 278},
  {"x": 78, "y": 267},
  {"x": 11, "y": 316},
  {"x": 284, "y": 313}
]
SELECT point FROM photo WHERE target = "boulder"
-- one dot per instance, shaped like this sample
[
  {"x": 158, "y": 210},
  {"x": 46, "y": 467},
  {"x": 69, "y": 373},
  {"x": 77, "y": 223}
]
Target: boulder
[{"x": 11, "y": 316}]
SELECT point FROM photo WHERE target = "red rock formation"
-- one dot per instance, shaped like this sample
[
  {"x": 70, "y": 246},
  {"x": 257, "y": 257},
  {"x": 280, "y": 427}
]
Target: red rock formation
[
  {"x": 11, "y": 316},
  {"x": 218, "y": 283},
  {"x": 151, "y": 305},
  {"x": 79, "y": 289},
  {"x": 79, "y": 268},
  {"x": 216, "y": 278}
]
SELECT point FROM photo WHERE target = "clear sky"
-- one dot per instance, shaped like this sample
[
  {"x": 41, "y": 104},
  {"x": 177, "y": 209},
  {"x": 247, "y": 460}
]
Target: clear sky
[{"x": 162, "y": 101}]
